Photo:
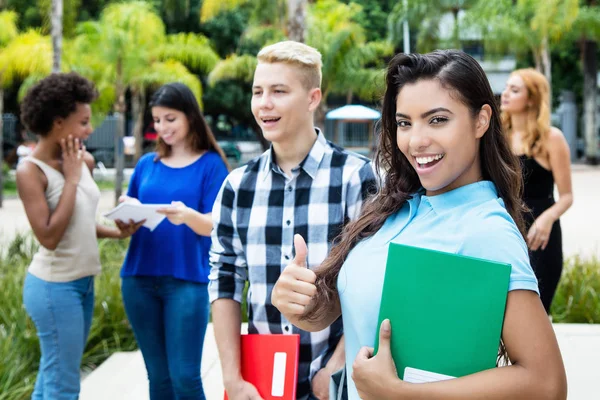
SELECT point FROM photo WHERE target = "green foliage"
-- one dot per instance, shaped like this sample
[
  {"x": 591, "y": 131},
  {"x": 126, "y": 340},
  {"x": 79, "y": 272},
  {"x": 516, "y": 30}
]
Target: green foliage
[
  {"x": 577, "y": 299},
  {"x": 232, "y": 96},
  {"x": 71, "y": 10},
  {"x": 19, "y": 346},
  {"x": 256, "y": 37},
  {"x": 8, "y": 21},
  {"x": 523, "y": 25},
  {"x": 234, "y": 67},
  {"x": 226, "y": 28},
  {"x": 373, "y": 17}
]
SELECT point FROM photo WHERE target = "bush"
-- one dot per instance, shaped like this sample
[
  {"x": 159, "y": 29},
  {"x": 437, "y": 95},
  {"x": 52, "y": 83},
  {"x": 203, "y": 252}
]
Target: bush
[
  {"x": 19, "y": 346},
  {"x": 577, "y": 298}
]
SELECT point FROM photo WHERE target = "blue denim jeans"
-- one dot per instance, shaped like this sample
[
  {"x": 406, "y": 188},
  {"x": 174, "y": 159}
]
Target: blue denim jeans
[
  {"x": 169, "y": 317},
  {"x": 62, "y": 313}
]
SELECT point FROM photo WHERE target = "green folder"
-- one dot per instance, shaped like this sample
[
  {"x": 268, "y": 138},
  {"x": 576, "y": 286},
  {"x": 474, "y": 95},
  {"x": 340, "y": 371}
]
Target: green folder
[{"x": 446, "y": 310}]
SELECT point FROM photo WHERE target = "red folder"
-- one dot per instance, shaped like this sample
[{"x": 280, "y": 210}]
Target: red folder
[{"x": 270, "y": 363}]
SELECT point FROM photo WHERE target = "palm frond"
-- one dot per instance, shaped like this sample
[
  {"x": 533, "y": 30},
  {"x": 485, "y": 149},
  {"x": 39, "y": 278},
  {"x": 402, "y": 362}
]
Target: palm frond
[
  {"x": 161, "y": 73},
  {"x": 192, "y": 50},
  {"x": 234, "y": 67},
  {"x": 8, "y": 22},
  {"x": 27, "y": 54},
  {"x": 211, "y": 8}
]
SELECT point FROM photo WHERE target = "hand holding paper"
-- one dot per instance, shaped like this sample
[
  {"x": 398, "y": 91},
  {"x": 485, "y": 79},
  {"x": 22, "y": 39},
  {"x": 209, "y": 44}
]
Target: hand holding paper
[
  {"x": 376, "y": 375},
  {"x": 295, "y": 287},
  {"x": 137, "y": 212},
  {"x": 177, "y": 213}
]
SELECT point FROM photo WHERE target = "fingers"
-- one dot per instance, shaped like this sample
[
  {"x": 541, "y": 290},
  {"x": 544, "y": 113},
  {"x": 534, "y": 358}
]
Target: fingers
[
  {"x": 300, "y": 246},
  {"x": 385, "y": 333},
  {"x": 364, "y": 353}
]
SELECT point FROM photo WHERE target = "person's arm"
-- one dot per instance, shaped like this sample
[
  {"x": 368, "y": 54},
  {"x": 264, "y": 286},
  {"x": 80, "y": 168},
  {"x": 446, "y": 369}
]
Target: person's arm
[
  {"x": 122, "y": 230},
  {"x": 49, "y": 227},
  {"x": 200, "y": 221},
  {"x": 227, "y": 278},
  {"x": 179, "y": 214},
  {"x": 559, "y": 157},
  {"x": 537, "y": 370}
]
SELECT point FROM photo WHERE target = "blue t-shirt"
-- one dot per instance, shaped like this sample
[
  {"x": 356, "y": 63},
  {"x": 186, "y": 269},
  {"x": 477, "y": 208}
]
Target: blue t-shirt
[
  {"x": 470, "y": 221},
  {"x": 173, "y": 250}
]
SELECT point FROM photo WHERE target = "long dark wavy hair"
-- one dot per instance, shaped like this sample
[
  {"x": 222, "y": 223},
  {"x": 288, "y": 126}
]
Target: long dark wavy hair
[
  {"x": 457, "y": 72},
  {"x": 178, "y": 96}
]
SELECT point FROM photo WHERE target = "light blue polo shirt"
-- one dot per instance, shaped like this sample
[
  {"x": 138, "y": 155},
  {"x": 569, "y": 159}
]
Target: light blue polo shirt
[{"x": 470, "y": 220}]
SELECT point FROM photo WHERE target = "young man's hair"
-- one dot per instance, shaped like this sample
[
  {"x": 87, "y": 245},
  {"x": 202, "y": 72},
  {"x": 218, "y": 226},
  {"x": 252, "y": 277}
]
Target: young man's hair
[{"x": 307, "y": 59}]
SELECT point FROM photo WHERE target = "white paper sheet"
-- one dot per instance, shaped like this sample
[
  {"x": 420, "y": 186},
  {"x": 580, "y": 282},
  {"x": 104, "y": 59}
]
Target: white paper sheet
[
  {"x": 138, "y": 212},
  {"x": 414, "y": 375}
]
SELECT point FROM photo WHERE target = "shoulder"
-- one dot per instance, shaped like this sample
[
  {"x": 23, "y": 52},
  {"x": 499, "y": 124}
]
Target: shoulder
[
  {"x": 556, "y": 141},
  {"x": 349, "y": 158},
  {"x": 489, "y": 228},
  {"x": 28, "y": 170},
  {"x": 146, "y": 159},
  {"x": 244, "y": 177},
  {"x": 349, "y": 162}
]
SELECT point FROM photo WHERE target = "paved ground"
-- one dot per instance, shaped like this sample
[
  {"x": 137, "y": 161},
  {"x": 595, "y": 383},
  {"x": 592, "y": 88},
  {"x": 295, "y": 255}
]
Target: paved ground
[{"x": 123, "y": 376}]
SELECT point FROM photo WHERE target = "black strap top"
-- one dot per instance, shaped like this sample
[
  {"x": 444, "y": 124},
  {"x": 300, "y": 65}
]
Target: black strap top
[{"x": 539, "y": 182}]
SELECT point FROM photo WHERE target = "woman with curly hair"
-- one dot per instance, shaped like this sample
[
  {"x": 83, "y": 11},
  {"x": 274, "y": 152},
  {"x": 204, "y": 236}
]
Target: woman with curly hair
[
  {"x": 545, "y": 159},
  {"x": 60, "y": 198},
  {"x": 452, "y": 184}
]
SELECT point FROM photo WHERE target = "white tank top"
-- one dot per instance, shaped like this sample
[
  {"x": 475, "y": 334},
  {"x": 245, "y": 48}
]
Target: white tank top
[{"x": 76, "y": 255}]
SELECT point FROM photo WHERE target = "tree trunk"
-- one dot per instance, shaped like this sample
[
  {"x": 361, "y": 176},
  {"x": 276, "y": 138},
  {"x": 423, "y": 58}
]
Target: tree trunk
[
  {"x": 547, "y": 66},
  {"x": 349, "y": 95},
  {"x": 138, "y": 108},
  {"x": 119, "y": 145},
  {"x": 1, "y": 147},
  {"x": 296, "y": 25},
  {"x": 56, "y": 19},
  {"x": 590, "y": 83}
]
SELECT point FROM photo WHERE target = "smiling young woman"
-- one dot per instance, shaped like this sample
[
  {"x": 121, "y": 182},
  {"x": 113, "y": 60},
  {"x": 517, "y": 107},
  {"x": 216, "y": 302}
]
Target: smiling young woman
[{"x": 451, "y": 184}]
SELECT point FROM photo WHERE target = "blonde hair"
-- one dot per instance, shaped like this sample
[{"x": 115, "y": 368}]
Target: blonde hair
[
  {"x": 307, "y": 59},
  {"x": 538, "y": 113}
]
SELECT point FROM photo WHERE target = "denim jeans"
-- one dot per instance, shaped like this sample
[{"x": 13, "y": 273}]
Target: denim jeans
[
  {"x": 169, "y": 317},
  {"x": 62, "y": 313}
]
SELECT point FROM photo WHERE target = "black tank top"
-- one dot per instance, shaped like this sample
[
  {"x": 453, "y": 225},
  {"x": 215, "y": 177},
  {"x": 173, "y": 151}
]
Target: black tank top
[{"x": 538, "y": 181}]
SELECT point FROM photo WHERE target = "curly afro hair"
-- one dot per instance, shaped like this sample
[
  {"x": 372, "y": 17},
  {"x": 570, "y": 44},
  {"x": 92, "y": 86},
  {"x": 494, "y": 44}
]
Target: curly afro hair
[{"x": 55, "y": 96}]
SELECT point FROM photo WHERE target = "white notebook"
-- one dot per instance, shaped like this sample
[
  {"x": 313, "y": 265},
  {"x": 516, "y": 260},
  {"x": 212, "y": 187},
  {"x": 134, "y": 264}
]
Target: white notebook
[{"x": 138, "y": 212}]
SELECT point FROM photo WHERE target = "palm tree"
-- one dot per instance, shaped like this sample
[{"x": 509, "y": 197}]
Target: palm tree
[
  {"x": 288, "y": 15},
  {"x": 25, "y": 56},
  {"x": 130, "y": 40},
  {"x": 426, "y": 17},
  {"x": 350, "y": 64},
  {"x": 524, "y": 26}
]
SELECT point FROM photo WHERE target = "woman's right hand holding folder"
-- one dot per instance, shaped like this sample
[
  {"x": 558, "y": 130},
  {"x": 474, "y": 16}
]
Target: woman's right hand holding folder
[{"x": 295, "y": 287}]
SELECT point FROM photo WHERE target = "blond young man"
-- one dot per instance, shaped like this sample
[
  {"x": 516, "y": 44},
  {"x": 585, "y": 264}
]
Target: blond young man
[{"x": 302, "y": 184}]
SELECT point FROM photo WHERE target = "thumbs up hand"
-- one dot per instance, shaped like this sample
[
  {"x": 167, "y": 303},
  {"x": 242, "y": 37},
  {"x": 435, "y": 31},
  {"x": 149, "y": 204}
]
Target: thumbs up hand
[
  {"x": 295, "y": 287},
  {"x": 375, "y": 376}
]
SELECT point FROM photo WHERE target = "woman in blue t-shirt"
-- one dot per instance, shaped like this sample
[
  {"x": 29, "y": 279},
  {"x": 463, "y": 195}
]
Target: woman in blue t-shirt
[
  {"x": 165, "y": 273},
  {"x": 451, "y": 184}
]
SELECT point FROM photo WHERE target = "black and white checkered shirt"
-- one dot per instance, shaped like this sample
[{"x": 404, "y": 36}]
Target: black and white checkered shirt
[{"x": 257, "y": 213}]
